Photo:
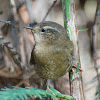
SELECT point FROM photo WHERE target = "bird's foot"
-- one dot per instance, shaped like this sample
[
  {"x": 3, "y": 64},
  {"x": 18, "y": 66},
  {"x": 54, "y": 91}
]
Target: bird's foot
[
  {"x": 48, "y": 89},
  {"x": 77, "y": 67}
]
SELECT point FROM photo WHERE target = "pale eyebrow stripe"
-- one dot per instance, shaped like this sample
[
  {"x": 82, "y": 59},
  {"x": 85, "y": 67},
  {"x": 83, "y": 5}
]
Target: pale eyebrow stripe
[{"x": 49, "y": 27}]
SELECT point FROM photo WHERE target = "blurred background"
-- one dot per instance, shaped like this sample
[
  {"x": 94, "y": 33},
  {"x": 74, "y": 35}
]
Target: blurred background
[{"x": 30, "y": 12}]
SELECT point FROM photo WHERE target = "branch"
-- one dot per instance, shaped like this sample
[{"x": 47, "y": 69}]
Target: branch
[
  {"x": 49, "y": 10},
  {"x": 70, "y": 25}
]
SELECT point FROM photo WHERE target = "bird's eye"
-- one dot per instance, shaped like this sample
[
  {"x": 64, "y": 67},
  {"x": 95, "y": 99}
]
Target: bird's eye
[{"x": 43, "y": 30}]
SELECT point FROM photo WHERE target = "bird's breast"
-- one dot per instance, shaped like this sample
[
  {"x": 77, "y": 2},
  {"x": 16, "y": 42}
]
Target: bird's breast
[{"x": 51, "y": 62}]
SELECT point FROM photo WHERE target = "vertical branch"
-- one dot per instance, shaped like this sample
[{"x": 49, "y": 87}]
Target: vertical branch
[
  {"x": 14, "y": 10},
  {"x": 70, "y": 24},
  {"x": 15, "y": 22},
  {"x": 94, "y": 32},
  {"x": 96, "y": 44},
  {"x": 22, "y": 50},
  {"x": 29, "y": 8},
  {"x": 76, "y": 84},
  {"x": 17, "y": 38}
]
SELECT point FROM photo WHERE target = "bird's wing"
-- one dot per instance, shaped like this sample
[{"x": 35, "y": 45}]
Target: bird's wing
[{"x": 32, "y": 59}]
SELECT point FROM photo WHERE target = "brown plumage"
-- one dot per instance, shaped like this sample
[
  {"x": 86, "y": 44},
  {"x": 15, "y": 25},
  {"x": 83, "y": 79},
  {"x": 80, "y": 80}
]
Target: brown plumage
[{"x": 53, "y": 52}]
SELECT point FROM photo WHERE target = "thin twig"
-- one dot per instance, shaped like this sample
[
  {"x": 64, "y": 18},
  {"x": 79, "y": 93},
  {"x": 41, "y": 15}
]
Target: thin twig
[
  {"x": 49, "y": 10},
  {"x": 7, "y": 22}
]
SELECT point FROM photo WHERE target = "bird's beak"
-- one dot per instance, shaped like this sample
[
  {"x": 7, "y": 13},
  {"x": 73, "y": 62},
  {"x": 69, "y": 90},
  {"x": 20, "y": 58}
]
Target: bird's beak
[{"x": 28, "y": 27}]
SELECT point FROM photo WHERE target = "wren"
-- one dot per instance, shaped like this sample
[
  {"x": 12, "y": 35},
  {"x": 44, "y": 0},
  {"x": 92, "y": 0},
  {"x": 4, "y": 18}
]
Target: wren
[{"x": 53, "y": 52}]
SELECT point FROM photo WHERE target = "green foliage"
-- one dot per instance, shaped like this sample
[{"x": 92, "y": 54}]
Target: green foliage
[
  {"x": 23, "y": 93},
  {"x": 59, "y": 95}
]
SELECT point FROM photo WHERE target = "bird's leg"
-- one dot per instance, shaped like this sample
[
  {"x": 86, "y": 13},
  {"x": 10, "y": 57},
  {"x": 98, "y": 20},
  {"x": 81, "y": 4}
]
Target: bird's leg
[
  {"x": 70, "y": 81},
  {"x": 45, "y": 86},
  {"x": 48, "y": 89}
]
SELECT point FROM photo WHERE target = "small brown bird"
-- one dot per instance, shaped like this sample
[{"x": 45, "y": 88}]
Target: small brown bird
[{"x": 53, "y": 51}]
